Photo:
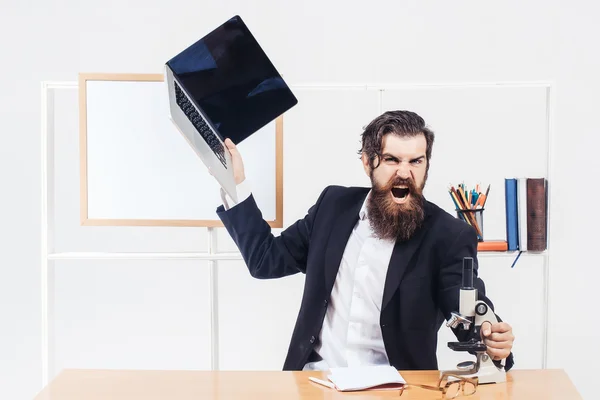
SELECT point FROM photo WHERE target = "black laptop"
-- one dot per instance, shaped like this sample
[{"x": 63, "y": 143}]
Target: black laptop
[{"x": 224, "y": 86}]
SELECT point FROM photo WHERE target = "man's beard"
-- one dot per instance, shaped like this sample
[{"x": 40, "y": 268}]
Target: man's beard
[{"x": 392, "y": 221}]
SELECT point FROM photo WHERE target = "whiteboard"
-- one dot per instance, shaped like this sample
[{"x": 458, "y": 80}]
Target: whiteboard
[{"x": 137, "y": 169}]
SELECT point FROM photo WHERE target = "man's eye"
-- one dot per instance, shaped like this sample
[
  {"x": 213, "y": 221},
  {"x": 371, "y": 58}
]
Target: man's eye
[
  {"x": 419, "y": 161},
  {"x": 390, "y": 159}
]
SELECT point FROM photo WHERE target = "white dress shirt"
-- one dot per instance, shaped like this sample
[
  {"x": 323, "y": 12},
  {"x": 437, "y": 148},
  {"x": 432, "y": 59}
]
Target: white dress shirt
[
  {"x": 351, "y": 334},
  {"x": 243, "y": 192}
]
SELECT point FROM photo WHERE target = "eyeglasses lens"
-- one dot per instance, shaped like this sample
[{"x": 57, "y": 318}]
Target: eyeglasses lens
[
  {"x": 453, "y": 390},
  {"x": 469, "y": 388}
]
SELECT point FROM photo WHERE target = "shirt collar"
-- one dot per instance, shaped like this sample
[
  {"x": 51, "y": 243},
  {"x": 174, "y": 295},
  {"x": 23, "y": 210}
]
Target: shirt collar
[{"x": 363, "y": 213}]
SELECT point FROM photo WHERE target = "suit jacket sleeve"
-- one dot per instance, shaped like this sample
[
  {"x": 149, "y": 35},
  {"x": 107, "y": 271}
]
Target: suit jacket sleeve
[
  {"x": 268, "y": 256},
  {"x": 450, "y": 279}
]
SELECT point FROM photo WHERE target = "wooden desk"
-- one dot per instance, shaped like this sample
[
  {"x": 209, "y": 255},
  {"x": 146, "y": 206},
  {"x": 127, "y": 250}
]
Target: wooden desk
[{"x": 184, "y": 385}]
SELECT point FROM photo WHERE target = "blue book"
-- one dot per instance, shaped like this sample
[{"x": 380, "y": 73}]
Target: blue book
[{"x": 512, "y": 215}]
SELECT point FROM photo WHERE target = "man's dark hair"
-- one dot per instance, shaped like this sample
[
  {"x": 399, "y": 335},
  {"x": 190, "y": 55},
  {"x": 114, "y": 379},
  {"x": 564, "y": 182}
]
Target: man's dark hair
[{"x": 400, "y": 123}]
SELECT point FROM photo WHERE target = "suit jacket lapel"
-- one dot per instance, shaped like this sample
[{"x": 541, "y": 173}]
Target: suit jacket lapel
[
  {"x": 339, "y": 235},
  {"x": 401, "y": 256}
]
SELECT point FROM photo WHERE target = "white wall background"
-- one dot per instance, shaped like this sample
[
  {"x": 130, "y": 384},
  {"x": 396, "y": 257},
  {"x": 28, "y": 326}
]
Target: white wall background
[{"x": 153, "y": 314}]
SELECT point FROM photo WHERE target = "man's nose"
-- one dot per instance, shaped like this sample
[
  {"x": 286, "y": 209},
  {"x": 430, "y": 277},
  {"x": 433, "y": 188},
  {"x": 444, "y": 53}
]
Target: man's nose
[{"x": 403, "y": 171}]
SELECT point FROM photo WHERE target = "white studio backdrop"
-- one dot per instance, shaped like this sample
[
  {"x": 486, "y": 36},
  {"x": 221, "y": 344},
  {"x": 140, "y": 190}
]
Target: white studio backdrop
[{"x": 231, "y": 311}]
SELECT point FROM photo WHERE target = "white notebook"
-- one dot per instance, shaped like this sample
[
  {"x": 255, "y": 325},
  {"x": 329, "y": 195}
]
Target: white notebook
[{"x": 376, "y": 377}]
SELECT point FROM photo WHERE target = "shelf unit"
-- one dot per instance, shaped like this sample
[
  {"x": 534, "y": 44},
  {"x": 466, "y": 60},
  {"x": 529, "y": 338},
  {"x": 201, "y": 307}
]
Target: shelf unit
[{"x": 211, "y": 255}]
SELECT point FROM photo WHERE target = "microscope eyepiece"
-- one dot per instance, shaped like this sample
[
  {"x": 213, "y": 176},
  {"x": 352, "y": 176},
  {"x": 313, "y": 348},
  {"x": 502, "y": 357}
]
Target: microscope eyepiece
[{"x": 467, "y": 274}]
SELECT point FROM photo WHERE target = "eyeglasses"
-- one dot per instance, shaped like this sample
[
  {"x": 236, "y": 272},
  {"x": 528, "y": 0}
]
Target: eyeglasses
[{"x": 449, "y": 387}]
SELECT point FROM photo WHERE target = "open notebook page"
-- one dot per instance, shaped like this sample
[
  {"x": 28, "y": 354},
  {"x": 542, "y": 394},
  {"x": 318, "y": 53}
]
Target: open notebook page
[{"x": 363, "y": 378}]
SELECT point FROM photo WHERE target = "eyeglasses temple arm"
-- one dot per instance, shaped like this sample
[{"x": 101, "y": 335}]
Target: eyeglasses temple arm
[{"x": 439, "y": 389}]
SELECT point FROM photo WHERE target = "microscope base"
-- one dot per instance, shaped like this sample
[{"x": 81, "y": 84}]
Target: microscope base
[
  {"x": 484, "y": 369},
  {"x": 491, "y": 374}
]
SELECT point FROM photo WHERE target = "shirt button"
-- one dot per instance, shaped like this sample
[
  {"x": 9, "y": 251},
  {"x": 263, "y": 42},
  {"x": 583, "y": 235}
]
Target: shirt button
[{"x": 312, "y": 339}]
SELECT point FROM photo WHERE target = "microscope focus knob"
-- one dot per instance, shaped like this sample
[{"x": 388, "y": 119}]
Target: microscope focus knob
[{"x": 481, "y": 309}]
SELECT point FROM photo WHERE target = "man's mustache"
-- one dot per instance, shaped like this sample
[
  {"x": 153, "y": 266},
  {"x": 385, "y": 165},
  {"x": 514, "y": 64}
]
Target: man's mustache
[{"x": 398, "y": 181}]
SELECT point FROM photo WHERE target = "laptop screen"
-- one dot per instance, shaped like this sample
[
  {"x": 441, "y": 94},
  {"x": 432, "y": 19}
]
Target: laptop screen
[{"x": 231, "y": 79}]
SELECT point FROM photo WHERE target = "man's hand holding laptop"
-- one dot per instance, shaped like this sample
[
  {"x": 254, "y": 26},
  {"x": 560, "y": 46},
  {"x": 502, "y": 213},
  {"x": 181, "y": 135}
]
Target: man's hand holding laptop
[{"x": 236, "y": 159}]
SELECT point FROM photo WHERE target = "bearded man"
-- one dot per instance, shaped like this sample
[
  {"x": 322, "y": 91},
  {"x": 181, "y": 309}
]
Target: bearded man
[{"x": 382, "y": 265}]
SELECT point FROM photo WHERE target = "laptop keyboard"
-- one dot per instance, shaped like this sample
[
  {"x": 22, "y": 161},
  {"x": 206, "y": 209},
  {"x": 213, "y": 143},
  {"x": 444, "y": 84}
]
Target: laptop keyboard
[{"x": 198, "y": 121}]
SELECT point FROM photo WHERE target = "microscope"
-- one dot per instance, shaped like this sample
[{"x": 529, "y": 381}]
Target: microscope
[{"x": 471, "y": 315}]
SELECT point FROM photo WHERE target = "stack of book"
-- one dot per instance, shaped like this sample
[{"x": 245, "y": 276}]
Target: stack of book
[{"x": 526, "y": 213}]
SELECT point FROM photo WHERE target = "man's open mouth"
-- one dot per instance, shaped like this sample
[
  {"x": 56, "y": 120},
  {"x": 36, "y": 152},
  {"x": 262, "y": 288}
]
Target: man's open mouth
[{"x": 400, "y": 193}]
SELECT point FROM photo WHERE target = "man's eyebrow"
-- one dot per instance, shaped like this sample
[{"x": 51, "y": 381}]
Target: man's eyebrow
[{"x": 397, "y": 158}]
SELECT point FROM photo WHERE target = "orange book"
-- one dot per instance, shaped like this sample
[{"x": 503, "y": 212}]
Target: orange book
[{"x": 492, "y": 245}]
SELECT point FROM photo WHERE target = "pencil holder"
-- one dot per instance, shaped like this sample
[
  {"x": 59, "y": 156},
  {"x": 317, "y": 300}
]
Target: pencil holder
[{"x": 473, "y": 218}]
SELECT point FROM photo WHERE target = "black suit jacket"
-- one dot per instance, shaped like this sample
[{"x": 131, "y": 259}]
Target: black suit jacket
[{"x": 422, "y": 282}]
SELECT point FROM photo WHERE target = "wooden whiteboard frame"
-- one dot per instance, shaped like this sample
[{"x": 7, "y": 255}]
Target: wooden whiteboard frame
[{"x": 83, "y": 164}]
